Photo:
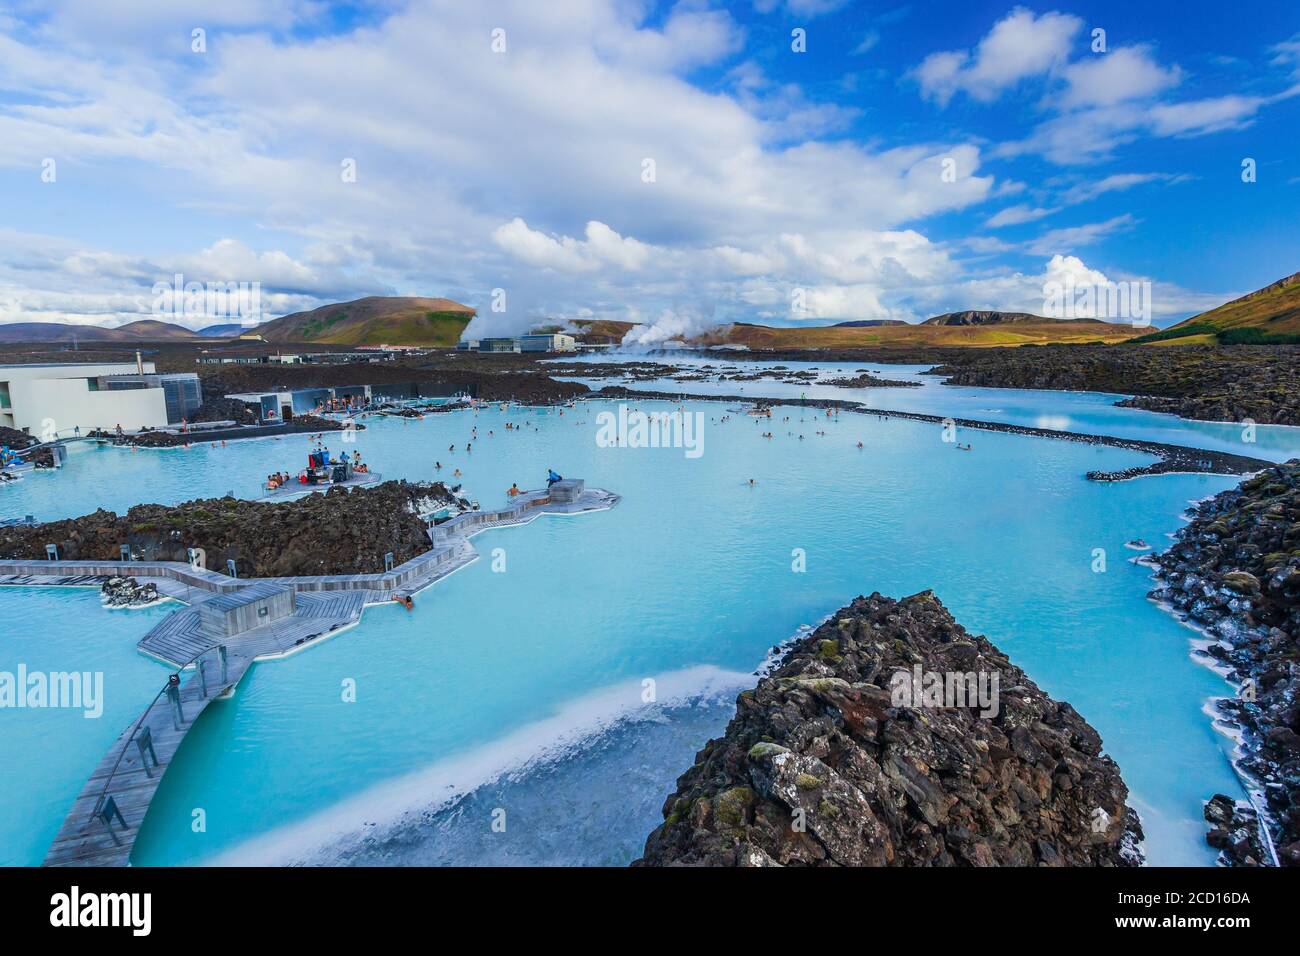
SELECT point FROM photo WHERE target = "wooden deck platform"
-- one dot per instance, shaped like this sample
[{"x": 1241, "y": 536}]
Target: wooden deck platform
[{"x": 325, "y": 605}]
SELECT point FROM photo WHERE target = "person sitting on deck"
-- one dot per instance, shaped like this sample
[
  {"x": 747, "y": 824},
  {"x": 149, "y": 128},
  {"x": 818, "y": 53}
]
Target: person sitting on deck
[
  {"x": 552, "y": 477},
  {"x": 514, "y": 490}
]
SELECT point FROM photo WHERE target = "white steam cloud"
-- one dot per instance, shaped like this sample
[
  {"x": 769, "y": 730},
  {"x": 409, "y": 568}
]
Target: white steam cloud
[{"x": 667, "y": 330}]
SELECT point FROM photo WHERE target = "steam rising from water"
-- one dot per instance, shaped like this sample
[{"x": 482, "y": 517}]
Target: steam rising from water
[{"x": 667, "y": 330}]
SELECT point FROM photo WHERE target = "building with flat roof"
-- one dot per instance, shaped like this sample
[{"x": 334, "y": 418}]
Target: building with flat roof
[
  {"x": 182, "y": 393},
  {"x": 60, "y": 399},
  {"x": 533, "y": 342},
  {"x": 283, "y": 404},
  {"x": 498, "y": 345},
  {"x": 547, "y": 342}
]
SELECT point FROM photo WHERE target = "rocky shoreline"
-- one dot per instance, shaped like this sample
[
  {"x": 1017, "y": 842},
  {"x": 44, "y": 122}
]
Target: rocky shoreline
[
  {"x": 1222, "y": 383},
  {"x": 1234, "y": 573},
  {"x": 1172, "y": 458},
  {"x": 835, "y": 760},
  {"x": 19, "y": 441},
  {"x": 494, "y": 378},
  {"x": 340, "y": 531},
  {"x": 158, "y": 438}
]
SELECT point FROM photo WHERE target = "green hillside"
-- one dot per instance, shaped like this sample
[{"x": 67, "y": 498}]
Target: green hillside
[
  {"x": 375, "y": 320},
  {"x": 1270, "y": 316}
]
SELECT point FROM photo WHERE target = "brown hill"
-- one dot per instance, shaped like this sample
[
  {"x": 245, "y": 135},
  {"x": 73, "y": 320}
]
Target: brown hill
[
  {"x": 145, "y": 330},
  {"x": 598, "y": 331},
  {"x": 156, "y": 331},
  {"x": 1032, "y": 330},
  {"x": 975, "y": 317},
  {"x": 374, "y": 320}
]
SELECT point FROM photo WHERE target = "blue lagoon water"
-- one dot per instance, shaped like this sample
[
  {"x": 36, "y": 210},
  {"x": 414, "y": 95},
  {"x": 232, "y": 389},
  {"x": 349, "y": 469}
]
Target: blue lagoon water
[
  {"x": 46, "y": 754},
  {"x": 1091, "y": 413},
  {"x": 524, "y": 691}
]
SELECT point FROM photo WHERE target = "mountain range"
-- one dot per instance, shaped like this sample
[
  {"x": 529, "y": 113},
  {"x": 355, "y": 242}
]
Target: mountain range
[
  {"x": 1269, "y": 316},
  {"x": 145, "y": 330}
]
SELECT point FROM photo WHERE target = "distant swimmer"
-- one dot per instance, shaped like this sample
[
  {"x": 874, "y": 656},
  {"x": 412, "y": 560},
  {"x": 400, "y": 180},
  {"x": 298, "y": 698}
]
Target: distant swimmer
[
  {"x": 751, "y": 482},
  {"x": 514, "y": 490},
  {"x": 859, "y": 444}
]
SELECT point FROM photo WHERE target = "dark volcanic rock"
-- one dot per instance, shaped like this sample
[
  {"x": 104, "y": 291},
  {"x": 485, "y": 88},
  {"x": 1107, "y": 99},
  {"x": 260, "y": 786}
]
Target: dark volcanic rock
[
  {"x": 1226, "y": 383},
  {"x": 865, "y": 380},
  {"x": 489, "y": 377},
  {"x": 1234, "y": 830},
  {"x": 15, "y": 439},
  {"x": 1234, "y": 571},
  {"x": 157, "y": 438},
  {"x": 827, "y": 763},
  {"x": 341, "y": 531},
  {"x": 128, "y": 592},
  {"x": 226, "y": 410}
]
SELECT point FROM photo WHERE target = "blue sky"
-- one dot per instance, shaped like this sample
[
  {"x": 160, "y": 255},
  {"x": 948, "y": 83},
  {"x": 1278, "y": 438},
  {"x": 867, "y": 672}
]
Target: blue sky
[{"x": 523, "y": 168}]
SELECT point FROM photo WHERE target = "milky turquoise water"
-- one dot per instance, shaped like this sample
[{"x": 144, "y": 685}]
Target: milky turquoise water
[
  {"x": 47, "y": 753},
  {"x": 1092, "y": 413},
  {"x": 523, "y": 692}
]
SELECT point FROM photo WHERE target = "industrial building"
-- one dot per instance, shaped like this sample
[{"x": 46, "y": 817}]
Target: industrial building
[
  {"x": 498, "y": 344},
  {"x": 533, "y": 342},
  {"x": 62, "y": 399},
  {"x": 547, "y": 342}
]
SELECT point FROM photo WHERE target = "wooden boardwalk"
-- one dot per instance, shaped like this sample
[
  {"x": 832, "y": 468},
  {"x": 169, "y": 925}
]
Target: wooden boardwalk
[{"x": 128, "y": 776}]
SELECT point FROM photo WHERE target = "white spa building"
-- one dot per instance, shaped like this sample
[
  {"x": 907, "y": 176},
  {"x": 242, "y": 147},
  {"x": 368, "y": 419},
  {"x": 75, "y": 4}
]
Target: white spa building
[{"x": 57, "y": 399}]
